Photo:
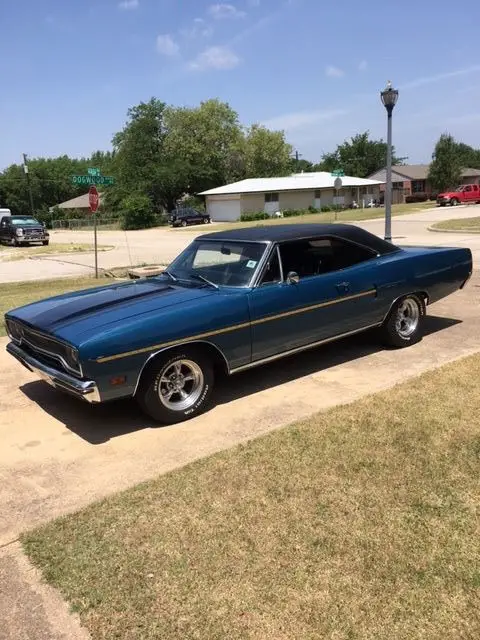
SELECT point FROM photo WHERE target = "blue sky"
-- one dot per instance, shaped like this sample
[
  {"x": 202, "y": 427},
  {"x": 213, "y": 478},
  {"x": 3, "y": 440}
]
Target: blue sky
[{"x": 70, "y": 69}]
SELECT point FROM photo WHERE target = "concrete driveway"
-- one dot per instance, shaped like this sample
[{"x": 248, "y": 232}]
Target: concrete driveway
[
  {"x": 59, "y": 454},
  {"x": 161, "y": 245}
]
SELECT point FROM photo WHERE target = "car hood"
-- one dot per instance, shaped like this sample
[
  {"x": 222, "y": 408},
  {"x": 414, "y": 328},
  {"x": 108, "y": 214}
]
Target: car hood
[
  {"x": 75, "y": 314},
  {"x": 446, "y": 194}
]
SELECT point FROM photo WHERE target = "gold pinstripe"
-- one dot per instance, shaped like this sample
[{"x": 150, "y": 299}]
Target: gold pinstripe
[{"x": 235, "y": 327}]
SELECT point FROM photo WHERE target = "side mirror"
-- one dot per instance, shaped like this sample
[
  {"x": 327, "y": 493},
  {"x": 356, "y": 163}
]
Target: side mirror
[{"x": 292, "y": 277}]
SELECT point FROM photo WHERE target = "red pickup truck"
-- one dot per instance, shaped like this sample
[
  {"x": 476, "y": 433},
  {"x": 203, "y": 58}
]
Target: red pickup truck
[{"x": 463, "y": 195}]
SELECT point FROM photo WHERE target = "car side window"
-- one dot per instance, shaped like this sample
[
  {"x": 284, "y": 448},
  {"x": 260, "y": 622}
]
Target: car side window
[
  {"x": 321, "y": 255},
  {"x": 272, "y": 274},
  {"x": 468, "y": 188}
]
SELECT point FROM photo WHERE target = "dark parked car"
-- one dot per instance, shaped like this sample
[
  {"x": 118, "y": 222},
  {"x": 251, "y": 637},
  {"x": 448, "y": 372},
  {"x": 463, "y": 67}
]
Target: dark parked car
[
  {"x": 230, "y": 301},
  {"x": 22, "y": 230},
  {"x": 188, "y": 215}
]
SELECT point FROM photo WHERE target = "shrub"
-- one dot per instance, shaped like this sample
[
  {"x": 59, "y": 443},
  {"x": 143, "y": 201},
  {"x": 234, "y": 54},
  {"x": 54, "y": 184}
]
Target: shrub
[
  {"x": 137, "y": 212},
  {"x": 257, "y": 215},
  {"x": 417, "y": 197},
  {"x": 325, "y": 208},
  {"x": 290, "y": 213}
]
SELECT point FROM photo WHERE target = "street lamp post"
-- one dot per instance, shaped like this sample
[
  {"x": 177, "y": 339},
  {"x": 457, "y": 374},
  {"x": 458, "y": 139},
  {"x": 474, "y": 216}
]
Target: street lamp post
[{"x": 389, "y": 98}]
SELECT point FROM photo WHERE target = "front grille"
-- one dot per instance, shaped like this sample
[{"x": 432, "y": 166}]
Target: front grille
[
  {"x": 43, "y": 344},
  {"x": 33, "y": 233}
]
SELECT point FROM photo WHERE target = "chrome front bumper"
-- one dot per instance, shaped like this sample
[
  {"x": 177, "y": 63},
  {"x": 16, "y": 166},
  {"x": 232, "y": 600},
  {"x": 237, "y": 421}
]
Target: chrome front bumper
[{"x": 83, "y": 389}]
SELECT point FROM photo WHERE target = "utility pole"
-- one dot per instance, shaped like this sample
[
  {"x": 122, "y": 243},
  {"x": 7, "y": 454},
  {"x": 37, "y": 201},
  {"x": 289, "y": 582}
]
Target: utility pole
[{"x": 29, "y": 186}]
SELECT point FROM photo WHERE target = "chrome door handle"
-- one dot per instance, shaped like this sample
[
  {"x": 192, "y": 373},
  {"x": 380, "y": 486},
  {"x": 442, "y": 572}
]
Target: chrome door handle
[{"x": 343, "y": 287}]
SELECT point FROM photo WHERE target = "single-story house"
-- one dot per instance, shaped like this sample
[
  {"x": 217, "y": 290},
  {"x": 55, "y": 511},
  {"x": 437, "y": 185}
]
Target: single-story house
[
  {"x": 408, "y": 179},
  {"x": 297, "y": 191},
  {"x": 79, "y": 203}
]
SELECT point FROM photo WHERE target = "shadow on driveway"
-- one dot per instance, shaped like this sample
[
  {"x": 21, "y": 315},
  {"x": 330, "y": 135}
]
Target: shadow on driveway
[{"x": 97, "y": 424}]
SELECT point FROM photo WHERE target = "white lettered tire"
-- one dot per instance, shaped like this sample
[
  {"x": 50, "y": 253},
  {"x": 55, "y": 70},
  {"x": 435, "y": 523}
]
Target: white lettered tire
[
  {"x": 177, "y": 385},
  {"x": 404, "y": 324}
]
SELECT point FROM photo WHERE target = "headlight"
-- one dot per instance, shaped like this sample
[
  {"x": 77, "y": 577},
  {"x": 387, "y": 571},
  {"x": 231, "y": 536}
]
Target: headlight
[
  {"x": 19, "y": 232},
  {"x": 72, "y": 357}
]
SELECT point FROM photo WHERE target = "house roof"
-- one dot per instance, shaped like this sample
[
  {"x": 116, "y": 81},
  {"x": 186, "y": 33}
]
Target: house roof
[
  {"x": 416, "y": 172},
  {"x": 80, "y": 202},
  {"x": 294, "y": 182},
  {"x": 285, "y": 232}
]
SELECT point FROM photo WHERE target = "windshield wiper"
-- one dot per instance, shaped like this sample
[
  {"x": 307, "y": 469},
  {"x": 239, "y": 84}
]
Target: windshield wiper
[
  {"x": 197, "y": 276},
  {"x": 170, "y": 275}
]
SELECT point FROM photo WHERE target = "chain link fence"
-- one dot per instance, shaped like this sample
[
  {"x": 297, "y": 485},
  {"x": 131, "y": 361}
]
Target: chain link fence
[{"x": 102, "y": 223}]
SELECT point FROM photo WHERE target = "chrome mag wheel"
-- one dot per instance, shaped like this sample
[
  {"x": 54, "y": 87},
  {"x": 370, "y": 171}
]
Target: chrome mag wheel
[
  {"x": 181, "y": 384},
  {"x": 407, "y": 318}
]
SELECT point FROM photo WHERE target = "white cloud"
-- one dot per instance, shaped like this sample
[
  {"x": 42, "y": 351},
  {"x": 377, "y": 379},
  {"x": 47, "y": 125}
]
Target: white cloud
[
  {"x": 223, "y": 11},
  {"x": 419, "y": 82},
  {"x": 199, "y": 29},
  {"x": 334, "y": 72},
  {"x": 128, "y": 5},
  {"x": 300, "y": 119},
  {"x": 220, "y": 58},
  {"x": 166, "y": 45},
  {"x": 362, "y": 65}
]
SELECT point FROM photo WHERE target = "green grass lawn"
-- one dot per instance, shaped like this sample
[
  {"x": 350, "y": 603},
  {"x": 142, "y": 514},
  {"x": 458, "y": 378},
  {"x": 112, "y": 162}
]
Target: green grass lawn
[
  {"x": 361, "y": 522},
  {"x": 350, "y": 215},
  {"x": 16, "y": 294},
  {"x": 469, "y": 225}
]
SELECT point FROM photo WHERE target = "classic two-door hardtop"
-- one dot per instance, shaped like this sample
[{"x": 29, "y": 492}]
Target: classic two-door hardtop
[{"x": 231, "y": 300}]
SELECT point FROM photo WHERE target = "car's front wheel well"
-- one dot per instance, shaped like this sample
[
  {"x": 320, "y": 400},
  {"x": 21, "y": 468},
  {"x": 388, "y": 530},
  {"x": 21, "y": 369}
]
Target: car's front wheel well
[{"x": 214, "y": 354}]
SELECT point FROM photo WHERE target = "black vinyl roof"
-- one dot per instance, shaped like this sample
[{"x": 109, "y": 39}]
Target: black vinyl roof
[{"x": 285, "y": 232}]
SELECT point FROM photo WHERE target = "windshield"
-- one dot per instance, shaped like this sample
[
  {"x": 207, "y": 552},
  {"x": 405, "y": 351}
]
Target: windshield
[
  {"x": 228, "y": 264},
  {"x": 23, "y": 221},
  {"x": 460, "y": 188}
]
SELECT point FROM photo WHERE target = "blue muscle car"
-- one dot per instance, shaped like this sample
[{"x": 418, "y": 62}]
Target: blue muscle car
[{"x": 231, "y": 300}]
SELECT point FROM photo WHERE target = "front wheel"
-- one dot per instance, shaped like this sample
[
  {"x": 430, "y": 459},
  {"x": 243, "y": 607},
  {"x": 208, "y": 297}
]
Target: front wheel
[
  {"x": 453, "y": 202},
  {"x": 403, "y": 325},
  {"x": 177, "y": 386},
  {"x": 45, "y": 243}
]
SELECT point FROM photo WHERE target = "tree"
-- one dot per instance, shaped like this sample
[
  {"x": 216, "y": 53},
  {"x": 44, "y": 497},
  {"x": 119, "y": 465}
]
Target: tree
[
  {"x": 206, "y": 140},
  {"x": 301, "y": 165},
  {"x": 446, "y": 167},
  {"x": 139, "y": 154},
  {"x": 358, "y": 157},
  {"x": 137, "y": 212},
  {"x": 267, "y": 154},
  {"x": 50, "y": 181}
]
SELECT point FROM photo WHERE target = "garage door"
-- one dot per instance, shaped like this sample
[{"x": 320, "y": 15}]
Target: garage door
[{"x": 224, "y": 210}]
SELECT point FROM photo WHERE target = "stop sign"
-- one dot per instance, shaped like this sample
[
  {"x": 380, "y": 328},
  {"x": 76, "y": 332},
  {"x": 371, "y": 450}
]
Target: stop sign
[{"x": 93, "y": 198}]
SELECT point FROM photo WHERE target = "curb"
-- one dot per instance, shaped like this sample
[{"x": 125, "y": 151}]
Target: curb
[{"x": 465, "y": 231}]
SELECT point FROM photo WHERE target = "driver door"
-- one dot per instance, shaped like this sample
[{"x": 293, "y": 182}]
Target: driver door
[{"x": 333, "y": 293}]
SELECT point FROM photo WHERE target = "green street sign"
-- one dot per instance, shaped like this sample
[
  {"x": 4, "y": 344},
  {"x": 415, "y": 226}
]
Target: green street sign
[
  {"x": 93, "y": 172},
  {"x": 338, "y": 173},
  {"x": 96, "y": 179}
]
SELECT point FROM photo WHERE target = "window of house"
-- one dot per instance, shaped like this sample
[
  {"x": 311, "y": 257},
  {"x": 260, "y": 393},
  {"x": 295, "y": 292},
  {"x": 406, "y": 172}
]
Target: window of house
[
  {"x": 418, "y": 186},
  {"x": 318, "y": 194},
  {"x": 271, "y": 197},
  {"x": 397, "y": 185},
  {"x": 323, "y": 255}
]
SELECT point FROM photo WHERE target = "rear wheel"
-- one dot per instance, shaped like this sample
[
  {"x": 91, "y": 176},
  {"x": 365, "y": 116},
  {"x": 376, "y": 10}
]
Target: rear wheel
[
  {"x": 403, "y": 325},
  {"x": 184, "y": 223},
  {"x": 177, "y": 386}
]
